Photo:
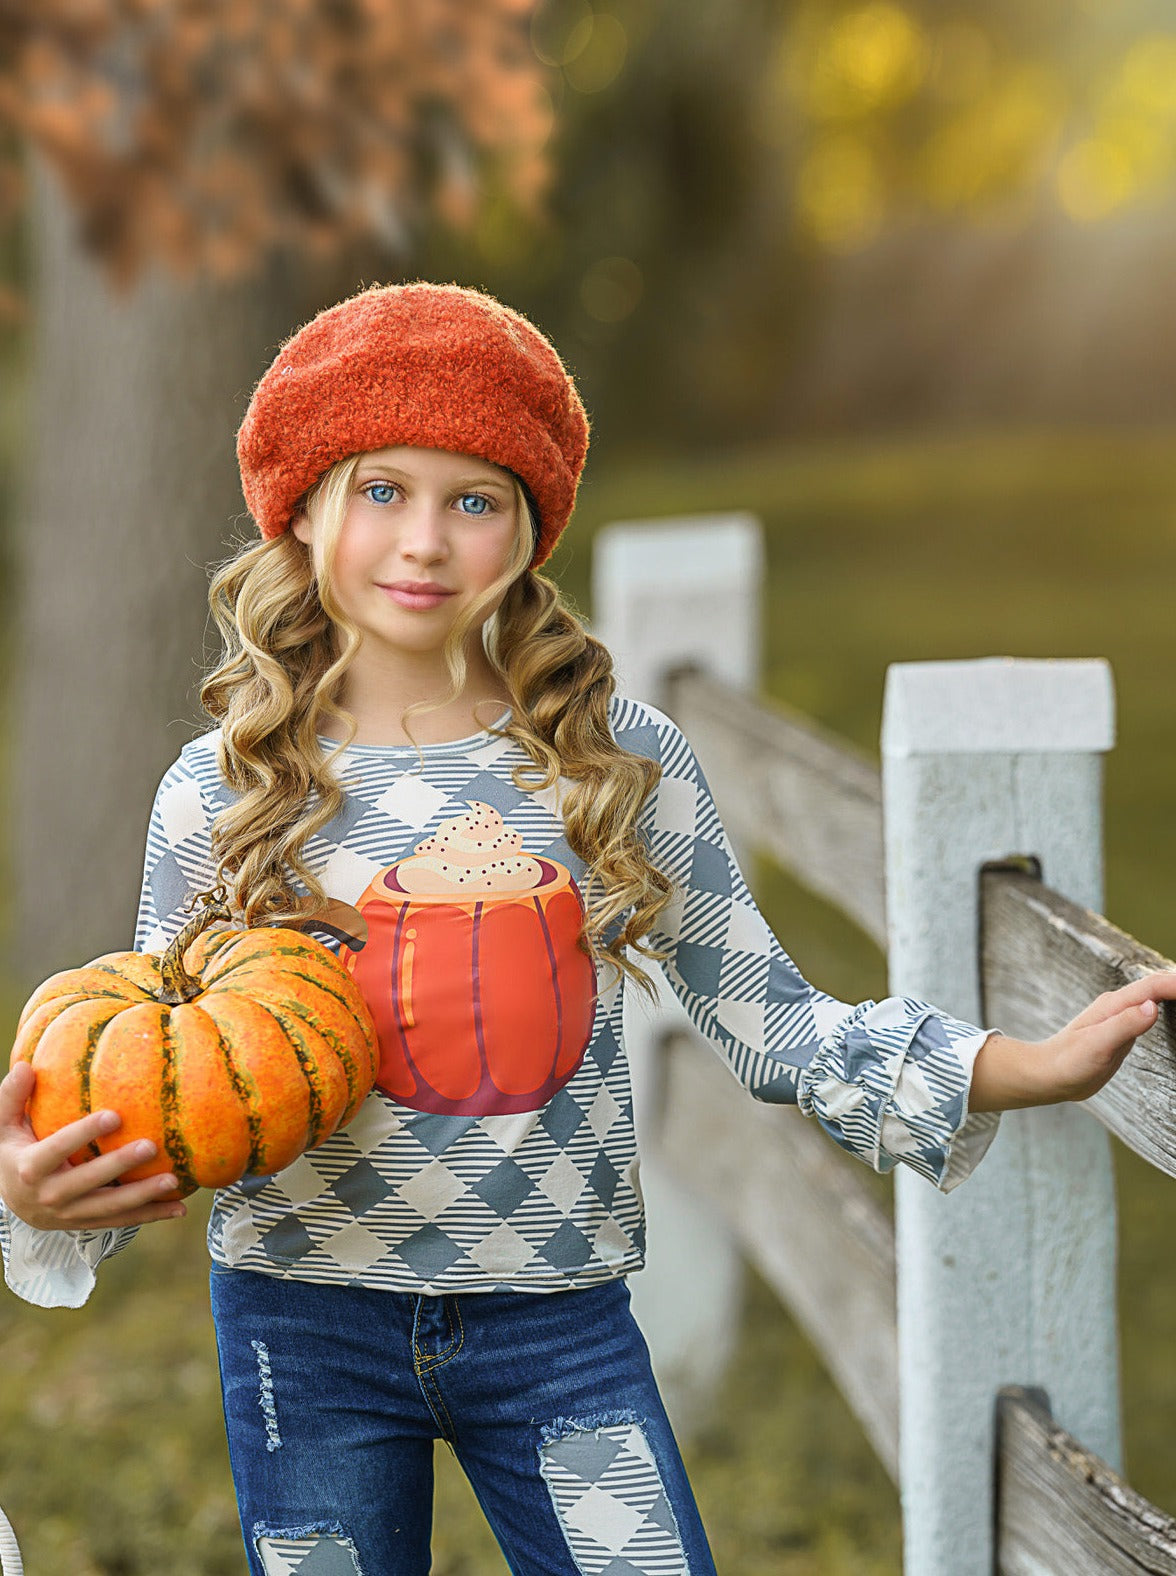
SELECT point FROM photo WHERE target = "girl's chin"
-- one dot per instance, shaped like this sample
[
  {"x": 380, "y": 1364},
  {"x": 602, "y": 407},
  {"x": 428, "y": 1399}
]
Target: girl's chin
[
  {"x": 412, "y": 626},
  {"x": 397, "y": 644},
  {"x": 412, "y": 638}
]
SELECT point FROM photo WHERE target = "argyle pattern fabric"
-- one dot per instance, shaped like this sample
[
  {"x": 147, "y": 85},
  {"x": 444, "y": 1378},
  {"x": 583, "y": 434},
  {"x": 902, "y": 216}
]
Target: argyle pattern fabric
[
  {"x": 547, "y": 1199},
  {"x": 611, "y": 1504},
  {"x": 321, "y": 1554}
]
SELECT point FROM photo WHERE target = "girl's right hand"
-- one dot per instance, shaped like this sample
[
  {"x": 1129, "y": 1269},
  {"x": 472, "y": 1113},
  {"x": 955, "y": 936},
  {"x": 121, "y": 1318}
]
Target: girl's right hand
[{"x": 39, "y": 1185}]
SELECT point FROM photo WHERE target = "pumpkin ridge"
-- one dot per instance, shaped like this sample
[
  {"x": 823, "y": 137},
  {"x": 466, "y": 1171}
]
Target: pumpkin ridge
[
  {"x": 202, "y": 950},
  {"x": 319, "y": 1023},
  {"x": 340, "y": 987},
  {"x": 178, "y": 1150},
  {"x": 326, "y": 969},
  {"x": 119, "y": 971},
  {"x": 228, "y": 963},
  {"x": 209, "y": 943},
  {"x": 93, "y": 1034},
  {"x": 90, "y": 990},
  {"x": 241, "y": 1090},
  {"x": 331, "y": 984},
  {"x": 96, "y": 993},
  {"x": 297, "y": 969},
  {"x": 314, "y": 1115},
  {"x": 269, "y": 1068},
  {"x": 39, "y": 1021},
  {"x": 128, "y": 984}
]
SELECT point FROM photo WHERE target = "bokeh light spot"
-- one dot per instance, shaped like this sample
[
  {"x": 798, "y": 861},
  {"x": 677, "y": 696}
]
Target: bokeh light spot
[
  {"x": 579, "y": 38},
  {"x": 598, "y": 61},
  {"x": 1147, "y": 76},
  {"x": 1094, "y": 178},
  {"x": 839, "y": 193},
  {"x": 560, "y": 30},
  {"x": 997, "y": 145},
  {"x": 611, "y": 289},
  {"x": 873, "y": 57}
]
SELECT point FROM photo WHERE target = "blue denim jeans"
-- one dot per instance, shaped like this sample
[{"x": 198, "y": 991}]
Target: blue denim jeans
[{"x": 334, "y": 1395}]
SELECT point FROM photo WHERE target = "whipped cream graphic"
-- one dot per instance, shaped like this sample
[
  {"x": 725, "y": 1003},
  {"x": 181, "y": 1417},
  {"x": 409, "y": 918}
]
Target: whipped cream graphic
[{"x": 470, "y": 853}]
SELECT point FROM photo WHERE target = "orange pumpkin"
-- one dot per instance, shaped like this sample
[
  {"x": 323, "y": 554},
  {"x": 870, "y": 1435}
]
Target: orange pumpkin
[
  {"x": 483, "y": 1004},
  {"x": 235, "y": 1051}
]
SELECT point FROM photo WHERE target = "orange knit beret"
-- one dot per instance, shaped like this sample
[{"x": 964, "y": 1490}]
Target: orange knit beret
[{"x": 432, "y": 366}]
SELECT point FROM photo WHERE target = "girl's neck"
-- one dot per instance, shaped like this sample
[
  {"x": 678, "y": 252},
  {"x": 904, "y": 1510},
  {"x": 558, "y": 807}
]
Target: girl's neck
[{"x": 376, "y": 695}]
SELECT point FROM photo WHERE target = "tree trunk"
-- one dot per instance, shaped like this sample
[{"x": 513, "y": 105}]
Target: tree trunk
[{"x": 130, "y": 490}]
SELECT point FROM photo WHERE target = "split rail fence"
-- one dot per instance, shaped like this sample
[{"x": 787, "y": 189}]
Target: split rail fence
[{"x": 975, "y": 1336}]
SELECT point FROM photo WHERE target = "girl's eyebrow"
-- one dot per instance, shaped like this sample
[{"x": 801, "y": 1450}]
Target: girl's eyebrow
[{"x": 479, "y": 479}]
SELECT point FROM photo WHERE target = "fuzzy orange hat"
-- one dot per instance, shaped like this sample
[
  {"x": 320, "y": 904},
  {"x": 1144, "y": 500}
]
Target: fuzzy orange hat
[{"x": 432, "y": 366}]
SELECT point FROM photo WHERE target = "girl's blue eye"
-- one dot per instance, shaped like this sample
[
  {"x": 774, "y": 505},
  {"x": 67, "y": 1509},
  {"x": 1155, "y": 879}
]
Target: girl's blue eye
[
  {"x": 374, "y": 487},
  {"x": 482, "y": 502}
]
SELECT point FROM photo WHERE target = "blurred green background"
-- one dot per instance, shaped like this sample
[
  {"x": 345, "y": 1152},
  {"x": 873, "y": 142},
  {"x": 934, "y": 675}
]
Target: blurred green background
[{"x": 892, "y": 276}]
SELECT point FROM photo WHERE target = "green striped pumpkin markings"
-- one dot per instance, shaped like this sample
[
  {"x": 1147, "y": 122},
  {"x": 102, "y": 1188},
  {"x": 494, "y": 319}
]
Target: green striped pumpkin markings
[{"x": 234, "y": 1051}]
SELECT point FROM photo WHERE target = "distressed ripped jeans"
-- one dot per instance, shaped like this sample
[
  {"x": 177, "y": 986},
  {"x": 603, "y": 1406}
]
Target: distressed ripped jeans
[{"x": 334, "y": 1395}]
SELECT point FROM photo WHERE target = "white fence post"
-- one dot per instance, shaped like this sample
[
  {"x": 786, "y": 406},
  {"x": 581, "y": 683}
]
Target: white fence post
[
  {"x": 10, "y": 1560},
  {"x": 668, "y": 592},
  {"x": 1011, "y": 1277}
]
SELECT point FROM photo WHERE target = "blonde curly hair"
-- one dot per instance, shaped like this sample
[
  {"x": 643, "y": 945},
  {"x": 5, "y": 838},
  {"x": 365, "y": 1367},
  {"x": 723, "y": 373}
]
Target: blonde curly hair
[{"x": 287, "y": 646}]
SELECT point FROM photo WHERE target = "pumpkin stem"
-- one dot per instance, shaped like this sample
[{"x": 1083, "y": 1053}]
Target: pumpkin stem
[{"x": 178, "y": 985}]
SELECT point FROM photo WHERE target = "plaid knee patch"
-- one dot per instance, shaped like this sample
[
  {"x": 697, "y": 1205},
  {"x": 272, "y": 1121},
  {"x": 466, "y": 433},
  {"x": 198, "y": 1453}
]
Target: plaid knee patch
[
  {"x": 320, "y": 1554},
  {"x": 611, "y": 1505}
]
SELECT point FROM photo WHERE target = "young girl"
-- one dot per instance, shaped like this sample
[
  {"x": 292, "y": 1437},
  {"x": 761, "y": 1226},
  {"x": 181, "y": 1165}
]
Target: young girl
[{"x": 420, "y": 757}]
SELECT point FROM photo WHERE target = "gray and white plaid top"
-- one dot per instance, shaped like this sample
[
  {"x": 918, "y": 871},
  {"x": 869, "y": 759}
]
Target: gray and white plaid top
[{"x": 546, "y": 1199}]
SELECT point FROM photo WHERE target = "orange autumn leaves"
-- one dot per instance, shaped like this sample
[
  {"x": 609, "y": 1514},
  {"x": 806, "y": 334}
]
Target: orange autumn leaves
[{"x": 201, "y": 132}]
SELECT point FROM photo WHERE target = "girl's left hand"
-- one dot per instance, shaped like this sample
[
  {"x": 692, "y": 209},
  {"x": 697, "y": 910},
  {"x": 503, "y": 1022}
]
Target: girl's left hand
[{"x": 1075, "y": 1062}]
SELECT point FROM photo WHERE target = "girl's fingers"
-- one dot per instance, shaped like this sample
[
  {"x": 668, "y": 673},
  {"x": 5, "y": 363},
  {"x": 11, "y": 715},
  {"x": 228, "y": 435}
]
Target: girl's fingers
[
  {"x": 1119, "y": 1032},
  {"x": 1158, "y": 986},
  {"x": 1152, "y": 988},
  {"x": 1102, "y": 1047},
  {"x": 1122, "y": 1027},
  {"x": 98, "y": 1209},
  {"x": 68, "y": 1183},
  {"x": 46, "y": 1191},
  {"x": 15, "y": 1088},
  {"x": 46, "y": 1155},
  {"x": 133, "y": 1204},
  {"x": 41, "y": 1157}
]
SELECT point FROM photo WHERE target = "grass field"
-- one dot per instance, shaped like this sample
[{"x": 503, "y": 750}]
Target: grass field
[{"x": 112, "y": 1458}]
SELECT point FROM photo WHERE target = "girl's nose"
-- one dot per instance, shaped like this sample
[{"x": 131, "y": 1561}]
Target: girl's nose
[{"x": 423, "y": 530}]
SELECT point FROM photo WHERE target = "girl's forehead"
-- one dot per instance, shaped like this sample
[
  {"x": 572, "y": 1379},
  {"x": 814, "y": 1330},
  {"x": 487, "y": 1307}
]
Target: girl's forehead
[{"x": 411, "y": 460}]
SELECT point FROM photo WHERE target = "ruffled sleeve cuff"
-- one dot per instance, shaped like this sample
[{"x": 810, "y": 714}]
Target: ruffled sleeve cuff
[
  {"x": 54, "y": 1269},
  {"x": 890, "y": 1083}
]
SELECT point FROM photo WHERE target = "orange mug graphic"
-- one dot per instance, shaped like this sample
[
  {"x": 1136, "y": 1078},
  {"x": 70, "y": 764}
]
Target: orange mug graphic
[{"x": 482, "y": 997}]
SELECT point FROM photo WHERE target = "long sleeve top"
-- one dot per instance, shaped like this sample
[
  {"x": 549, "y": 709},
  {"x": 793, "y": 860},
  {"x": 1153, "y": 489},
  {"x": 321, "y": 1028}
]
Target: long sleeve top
[{"x": 499, "y": 1151}]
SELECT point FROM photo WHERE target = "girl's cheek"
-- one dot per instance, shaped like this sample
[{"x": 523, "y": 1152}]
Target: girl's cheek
[
  {"x": 496, "y": 554},
  {"x": 357, "y": 543}
]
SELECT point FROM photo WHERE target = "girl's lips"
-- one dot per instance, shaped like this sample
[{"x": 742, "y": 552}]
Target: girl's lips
[{"x": 407, "y": 596}]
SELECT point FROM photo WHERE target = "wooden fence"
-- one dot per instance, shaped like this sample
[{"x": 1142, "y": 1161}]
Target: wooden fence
[
  {"x": 975, "y": 1336},
  {"x": 972, "y": 1338}
]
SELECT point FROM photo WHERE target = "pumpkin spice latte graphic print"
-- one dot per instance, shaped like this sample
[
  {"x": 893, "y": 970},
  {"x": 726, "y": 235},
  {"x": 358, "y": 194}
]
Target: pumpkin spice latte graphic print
[{"x": 482, "y": 997}]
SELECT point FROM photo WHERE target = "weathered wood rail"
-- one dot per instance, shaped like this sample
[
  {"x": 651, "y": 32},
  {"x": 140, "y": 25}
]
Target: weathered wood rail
[
  {"x": 813, "y": 803},
  {"x": 829, "y": 1254},
  {"x": 1040, "y": 954},
  {"x": 1061, "y": 1509},
  {"x": 789, "y": 789}
]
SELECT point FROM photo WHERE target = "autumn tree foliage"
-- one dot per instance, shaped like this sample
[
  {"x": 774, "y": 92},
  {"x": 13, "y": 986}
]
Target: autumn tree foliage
[{"x": 203, "y": 132}]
